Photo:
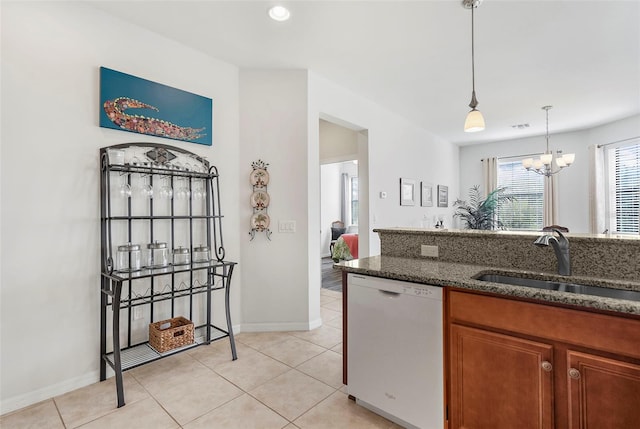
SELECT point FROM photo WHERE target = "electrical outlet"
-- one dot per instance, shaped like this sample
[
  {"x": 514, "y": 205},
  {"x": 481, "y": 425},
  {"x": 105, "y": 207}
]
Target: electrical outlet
[
  {"x": 137, "y": 312},
  {"x": 429, "y": 251}
]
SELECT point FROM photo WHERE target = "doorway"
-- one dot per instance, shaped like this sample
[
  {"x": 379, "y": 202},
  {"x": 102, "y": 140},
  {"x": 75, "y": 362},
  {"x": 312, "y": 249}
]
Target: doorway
[{"x": 343, "y": 195}]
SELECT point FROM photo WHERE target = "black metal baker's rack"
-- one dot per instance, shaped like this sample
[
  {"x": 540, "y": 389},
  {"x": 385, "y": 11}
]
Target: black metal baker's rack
[{"x": 118, "y": 293}]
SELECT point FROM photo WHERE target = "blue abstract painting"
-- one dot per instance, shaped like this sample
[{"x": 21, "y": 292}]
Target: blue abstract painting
[{"x": 130, "y": 103}]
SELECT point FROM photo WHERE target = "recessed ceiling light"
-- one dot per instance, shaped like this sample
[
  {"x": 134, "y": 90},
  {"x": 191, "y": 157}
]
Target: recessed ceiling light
[{"x": 279, "y": 13}]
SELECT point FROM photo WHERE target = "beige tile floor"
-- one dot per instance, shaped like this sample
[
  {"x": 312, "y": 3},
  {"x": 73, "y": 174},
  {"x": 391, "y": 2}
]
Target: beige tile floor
[{"x": 280, "y": 380}]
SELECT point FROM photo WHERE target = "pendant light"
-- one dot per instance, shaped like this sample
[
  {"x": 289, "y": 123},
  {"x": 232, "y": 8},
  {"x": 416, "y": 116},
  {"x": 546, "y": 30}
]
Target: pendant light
[
  {"x": 474, "y": 121},
  {"x": 544, "y": 165}
]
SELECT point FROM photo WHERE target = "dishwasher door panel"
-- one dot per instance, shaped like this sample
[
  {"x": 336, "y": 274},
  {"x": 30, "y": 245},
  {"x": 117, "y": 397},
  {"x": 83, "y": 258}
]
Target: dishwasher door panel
[{"x": 395, "y": 350}]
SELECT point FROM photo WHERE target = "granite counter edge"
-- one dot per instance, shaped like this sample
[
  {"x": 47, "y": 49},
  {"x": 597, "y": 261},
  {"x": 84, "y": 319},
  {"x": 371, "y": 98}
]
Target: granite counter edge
[{"x": 599, "y": 303}]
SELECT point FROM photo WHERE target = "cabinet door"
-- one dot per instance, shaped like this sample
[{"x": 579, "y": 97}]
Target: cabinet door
[
  {"x": 603, "y": 393},
  {"x": 499, "y": 381}
]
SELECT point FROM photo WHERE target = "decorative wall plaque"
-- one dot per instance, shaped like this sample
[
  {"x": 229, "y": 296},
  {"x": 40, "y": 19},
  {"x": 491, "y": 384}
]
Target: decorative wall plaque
[{"x": 259, "y": 178}]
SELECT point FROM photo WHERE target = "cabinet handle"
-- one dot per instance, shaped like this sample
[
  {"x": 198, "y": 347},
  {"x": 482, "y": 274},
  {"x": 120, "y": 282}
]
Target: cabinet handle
[
  {"x": 546, "y": 365},
  {"x": 574, "y": 373}
]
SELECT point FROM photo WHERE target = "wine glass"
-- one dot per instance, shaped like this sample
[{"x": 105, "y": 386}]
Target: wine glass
[
  {"x": 125, "y": 188},
  {"x": 198, "y": 184},
  {"x": 183, "y": 192},
  {"x": 144, "y": 188},
  {"x": 166, "y": 191},
  {"x": 135, "y": 160},
  {"x": 198, "y": 191}
]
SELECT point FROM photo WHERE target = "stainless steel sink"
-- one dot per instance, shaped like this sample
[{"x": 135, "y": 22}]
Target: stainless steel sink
[{"x": 562, "y": 287}]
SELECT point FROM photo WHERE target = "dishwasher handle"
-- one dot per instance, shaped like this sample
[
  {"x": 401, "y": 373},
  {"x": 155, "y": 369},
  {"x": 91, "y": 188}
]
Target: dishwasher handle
[{"x": 388, "y": 293}]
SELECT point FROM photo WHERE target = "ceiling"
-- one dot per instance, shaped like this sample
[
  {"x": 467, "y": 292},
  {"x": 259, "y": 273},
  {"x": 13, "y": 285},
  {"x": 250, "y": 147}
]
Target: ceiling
[{"x": 414, "y": 57}]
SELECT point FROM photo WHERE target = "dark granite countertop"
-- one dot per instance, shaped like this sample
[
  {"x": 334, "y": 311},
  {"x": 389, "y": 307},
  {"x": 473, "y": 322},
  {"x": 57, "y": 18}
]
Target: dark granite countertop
[{"x": 432, "y": 272}]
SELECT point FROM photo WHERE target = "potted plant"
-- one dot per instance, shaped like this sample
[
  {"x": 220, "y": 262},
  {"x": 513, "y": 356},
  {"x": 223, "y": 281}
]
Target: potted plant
[{"x": 479, "y": 213}]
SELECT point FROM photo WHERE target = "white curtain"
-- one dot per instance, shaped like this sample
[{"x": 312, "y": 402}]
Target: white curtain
[
  {"x": 596, "y": 189},
  {"x": 344, "y": 192},
  {"x": 550, "y": 215},
  {"x": 489, "y": 175}
]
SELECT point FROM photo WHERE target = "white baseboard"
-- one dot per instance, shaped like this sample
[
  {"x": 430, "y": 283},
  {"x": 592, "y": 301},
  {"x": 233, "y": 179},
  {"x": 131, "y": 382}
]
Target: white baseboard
[
  {"x": 281, "y": 326},
  {"x": 48, "y": 392},
  {"x": 20, "y": 401}
]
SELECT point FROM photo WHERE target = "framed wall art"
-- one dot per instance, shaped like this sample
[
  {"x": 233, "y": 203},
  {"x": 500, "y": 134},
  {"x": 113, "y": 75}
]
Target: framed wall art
[
  {"x": 426, "y": 194},
  {"x": 443, "y": 196},
  {"x": 407, "y": 192},
  {"x": 130, "y": 103}
]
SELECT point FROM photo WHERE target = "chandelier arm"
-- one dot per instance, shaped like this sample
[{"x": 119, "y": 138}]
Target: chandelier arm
[
  {"x": 546, "y": 165},
  {"x": 547, "y": 171}
]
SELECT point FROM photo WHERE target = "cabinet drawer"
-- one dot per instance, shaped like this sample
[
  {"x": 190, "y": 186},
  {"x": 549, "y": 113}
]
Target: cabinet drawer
[{"x": 613, "y": 334}]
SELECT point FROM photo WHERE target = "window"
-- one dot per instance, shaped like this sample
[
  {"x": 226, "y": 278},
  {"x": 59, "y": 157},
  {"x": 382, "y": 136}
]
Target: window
[
  {"x": 622, "y": 163},
  {"x": 353, "y": 194},
  {"x": 527, "y": 210}
]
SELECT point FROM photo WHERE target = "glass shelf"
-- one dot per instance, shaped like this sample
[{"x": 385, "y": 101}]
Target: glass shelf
[{"x": 122, "y": 276}]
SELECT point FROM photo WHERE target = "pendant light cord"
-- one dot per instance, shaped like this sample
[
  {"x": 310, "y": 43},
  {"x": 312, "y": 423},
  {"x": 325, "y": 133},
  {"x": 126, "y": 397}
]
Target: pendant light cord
[
  {"x": 547, "y": 136},
  {"x": 473, "y": 61},
  {"x": 546, "y": 108}
]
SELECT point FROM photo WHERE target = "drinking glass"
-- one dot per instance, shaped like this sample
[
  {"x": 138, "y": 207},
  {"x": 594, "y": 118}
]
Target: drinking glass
[
  {"x": 198, "y": 184},
  {"x": 144, "y": 188},
  {"x": 135, "y": 161},
  {"x": 183, "y": 191},
  {"x": 198, "y": 191},
  {"x": 125, "y": 188},
  {"x": 166, "y": 191}
]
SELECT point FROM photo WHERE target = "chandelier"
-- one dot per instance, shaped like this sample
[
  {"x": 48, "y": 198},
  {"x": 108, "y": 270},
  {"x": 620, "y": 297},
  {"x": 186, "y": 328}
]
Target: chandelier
[{"x": 544, "y": 164}]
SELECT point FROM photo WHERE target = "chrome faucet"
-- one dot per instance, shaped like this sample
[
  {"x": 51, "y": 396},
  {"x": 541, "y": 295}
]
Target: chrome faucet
[{"x": 561, "y": 248}]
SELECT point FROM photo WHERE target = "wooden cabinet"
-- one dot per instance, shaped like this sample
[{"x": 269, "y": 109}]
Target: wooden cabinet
[
  {"x": 603, "y": 393},
  {"x": 502, "y": 381},
  {"x": 521, "y": 364}
]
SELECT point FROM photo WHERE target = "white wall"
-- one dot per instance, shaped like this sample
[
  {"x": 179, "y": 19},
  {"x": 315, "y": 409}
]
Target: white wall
[
  {"x": 329, "y": 204},
  {"x": 50, "y": 226},
  {"x": 396, "y": 148},
  {"x": 273, "y": 127},
  {"x": 573, "y": 194},
  {"x": 337, "y": 143},
  {"x": 51, "y": 54}
]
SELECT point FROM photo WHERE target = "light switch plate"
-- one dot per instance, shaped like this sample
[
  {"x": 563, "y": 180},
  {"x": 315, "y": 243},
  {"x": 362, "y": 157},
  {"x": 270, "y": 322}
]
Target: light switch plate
[
  {"x": 429, "y": 251},
  {"x": 288, "y": 226}
]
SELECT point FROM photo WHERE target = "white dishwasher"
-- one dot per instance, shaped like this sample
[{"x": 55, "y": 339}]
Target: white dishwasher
[{"x": 395, "y": 350}]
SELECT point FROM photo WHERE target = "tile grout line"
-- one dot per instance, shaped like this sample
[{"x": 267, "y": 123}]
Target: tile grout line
[{"x": 55, "y": 404}]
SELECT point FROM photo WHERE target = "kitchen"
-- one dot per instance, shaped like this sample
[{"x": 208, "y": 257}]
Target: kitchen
[{"x": 51, "y": 54}]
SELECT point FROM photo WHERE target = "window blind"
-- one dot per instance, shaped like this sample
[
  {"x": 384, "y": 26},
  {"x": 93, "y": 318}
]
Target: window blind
[
  {"x": 526, "y": 212},
  {"x": 626, "y": 174}
]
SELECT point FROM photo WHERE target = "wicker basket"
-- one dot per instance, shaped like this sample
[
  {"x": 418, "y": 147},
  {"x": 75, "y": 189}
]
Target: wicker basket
[{"x": 178, "y": 334}]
